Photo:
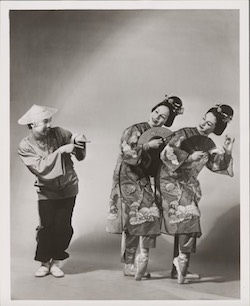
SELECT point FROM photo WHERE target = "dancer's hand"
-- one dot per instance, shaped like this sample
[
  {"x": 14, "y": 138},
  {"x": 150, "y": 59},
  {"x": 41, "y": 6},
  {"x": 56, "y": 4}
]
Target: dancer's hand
[
  {"x": 80, "y": 139},
  {"x": 68, "y": 148},
  {"x": 228, "y": 144},
  {"x": 155, "y": 143},
  {"x": 197, "y": 155}
]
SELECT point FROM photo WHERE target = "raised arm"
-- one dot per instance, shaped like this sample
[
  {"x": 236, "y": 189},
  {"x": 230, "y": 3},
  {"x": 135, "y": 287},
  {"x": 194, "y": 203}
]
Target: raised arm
[{"x": 221, "y": 161}]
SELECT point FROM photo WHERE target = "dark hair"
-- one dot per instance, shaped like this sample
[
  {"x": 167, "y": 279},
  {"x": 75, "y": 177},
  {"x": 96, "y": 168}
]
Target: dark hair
[
  {"x": 174, "y": 105},
  {"x": 223, "y": 114}
]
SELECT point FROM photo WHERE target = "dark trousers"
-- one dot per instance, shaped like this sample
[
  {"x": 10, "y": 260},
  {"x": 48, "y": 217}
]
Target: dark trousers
[{"x": 55, "y": 230}]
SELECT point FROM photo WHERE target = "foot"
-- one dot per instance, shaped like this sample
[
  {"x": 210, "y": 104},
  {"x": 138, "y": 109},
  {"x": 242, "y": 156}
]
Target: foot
[
  {"x": 55, "y": 270},
  {"x": 42, "y": 271},
  {"x": 189, "y": 275},
  {"x": 181, "y": 268},
  {"x": 141, "y": 266},
  {"x": 130, "y": 270}
]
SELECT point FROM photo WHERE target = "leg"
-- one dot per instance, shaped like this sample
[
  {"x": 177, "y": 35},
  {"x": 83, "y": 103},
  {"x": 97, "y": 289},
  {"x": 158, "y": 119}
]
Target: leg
[
  {"x": 176, "y": 253},
  {"x": 44, "y": 237},
  {"x": 181, "y": 260},
  {"x": 63, "y": 230},
  {"x": 129, "y": 246},
  {"x": 142, "y": 263},
  {"x": 62, "y": 234},
  {"x": 45, "y": 231},
  {"x": 186, "y": 246},
  {"x": 130, "y": 243},
  {"x": 189, "y": 275},
  {"x": 146, "y": 242}
]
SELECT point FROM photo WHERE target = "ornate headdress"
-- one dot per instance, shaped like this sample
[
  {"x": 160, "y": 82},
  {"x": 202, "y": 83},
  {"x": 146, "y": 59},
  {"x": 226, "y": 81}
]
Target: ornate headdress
[
  {"x": 224, "y": 114},
  {"x": 175, "y": 107},
  {"x": 176, "y": 104},
  {"x": 226, "y": 118}
]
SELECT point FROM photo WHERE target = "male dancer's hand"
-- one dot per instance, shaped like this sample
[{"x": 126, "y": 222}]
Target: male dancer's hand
[
  {"x": 68, "y": 148},
  {"x": 81, "y": 140}
]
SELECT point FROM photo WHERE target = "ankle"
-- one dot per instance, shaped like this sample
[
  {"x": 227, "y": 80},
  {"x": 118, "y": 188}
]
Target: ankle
[
  {"x": 55, "y": 262},
  {"x": 183, "y": 257},
  {"x": 143, "y": 256},
  {"x": 128, "y": 266},
  {"x": 45, "y": 264}
]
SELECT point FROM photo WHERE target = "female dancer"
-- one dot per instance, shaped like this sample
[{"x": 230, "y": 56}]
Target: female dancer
[
  {"x": 133, "y": 210},
  {"x": 178, "y": 183}
]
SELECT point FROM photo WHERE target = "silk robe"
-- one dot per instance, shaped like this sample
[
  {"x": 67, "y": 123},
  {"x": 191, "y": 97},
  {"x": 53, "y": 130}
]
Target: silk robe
[
  {"x": 179, "y": 187},
  {"x": 132, "y": 203}
]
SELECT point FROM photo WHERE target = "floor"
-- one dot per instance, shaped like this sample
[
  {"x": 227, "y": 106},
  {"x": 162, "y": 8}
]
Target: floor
[{"x": 94, "y": 272}]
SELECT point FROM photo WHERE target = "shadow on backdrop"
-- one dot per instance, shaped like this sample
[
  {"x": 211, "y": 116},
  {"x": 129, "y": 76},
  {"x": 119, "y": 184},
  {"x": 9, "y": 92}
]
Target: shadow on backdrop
[
  {"x": 219, "y": 252},
  {"x": 217, "y": 258}
]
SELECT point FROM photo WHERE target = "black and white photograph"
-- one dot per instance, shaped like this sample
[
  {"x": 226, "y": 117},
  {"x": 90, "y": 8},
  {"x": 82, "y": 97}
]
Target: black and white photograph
[{"x": 125, "y": 149}]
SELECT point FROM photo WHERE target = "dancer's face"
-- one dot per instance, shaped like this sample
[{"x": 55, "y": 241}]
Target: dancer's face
[
  {"x": 207, "y": 124},
  {"x": 159, "y": 116},
  {"x": 41, "y": 128}
]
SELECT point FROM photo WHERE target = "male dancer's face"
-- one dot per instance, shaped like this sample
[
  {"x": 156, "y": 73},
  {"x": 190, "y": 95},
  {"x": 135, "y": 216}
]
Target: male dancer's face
[{"x": 41, "y": 128}]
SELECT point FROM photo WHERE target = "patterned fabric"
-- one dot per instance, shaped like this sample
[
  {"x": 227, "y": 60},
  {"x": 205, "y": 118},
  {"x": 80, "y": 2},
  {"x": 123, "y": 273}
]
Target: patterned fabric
[
  {"x": 179, "y": 186},
  {"x": 132, "y": 202},
  {"x": 55, "y": 174}
]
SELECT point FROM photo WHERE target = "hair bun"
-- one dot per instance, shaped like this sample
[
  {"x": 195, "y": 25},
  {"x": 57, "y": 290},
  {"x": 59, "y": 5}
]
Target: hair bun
[
  {"x": 176, "y": 104},
  {"x": 225, "y": 111}
]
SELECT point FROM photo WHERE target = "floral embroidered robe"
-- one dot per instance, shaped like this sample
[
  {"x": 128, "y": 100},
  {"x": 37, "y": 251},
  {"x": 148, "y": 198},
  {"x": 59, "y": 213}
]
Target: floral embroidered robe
[
  {"x": 179, "y": 187},
  {"x": 132, "y": 204}
]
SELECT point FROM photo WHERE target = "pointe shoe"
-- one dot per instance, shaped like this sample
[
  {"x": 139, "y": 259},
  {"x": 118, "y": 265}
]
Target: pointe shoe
[
  {"x": 189, "y": 275},
  {"x": 141, "y": 266},
  {"x": 42, "y": 271},
  {"x": 181, "y": 268},
  {"x": 130, "y": 270}
]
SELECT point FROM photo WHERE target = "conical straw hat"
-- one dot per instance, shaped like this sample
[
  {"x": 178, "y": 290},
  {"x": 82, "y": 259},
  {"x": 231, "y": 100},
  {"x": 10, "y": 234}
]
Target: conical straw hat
[{"x": 37, "y": 113}]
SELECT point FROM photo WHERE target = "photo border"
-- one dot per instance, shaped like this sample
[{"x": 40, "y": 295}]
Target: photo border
[{"x": 243, "y": 7}]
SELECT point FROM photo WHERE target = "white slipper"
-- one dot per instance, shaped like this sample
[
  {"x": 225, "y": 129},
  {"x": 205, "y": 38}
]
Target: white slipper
[
  {"x": 42, "y": 271},
  {"x": 56, "y": 271}
]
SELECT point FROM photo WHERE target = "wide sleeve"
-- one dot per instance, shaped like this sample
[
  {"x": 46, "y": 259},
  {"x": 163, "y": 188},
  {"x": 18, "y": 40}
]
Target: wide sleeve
[
  {"x": 172, "y": 156},
  {"x": 220, "y": 162},
  {"x": 131, "y": 151},
  {"x": 46, "y": 168}
]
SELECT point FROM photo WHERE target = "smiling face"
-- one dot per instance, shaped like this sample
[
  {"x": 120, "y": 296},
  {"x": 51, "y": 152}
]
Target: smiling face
[
  {"x": 207, "y": 124},
  {"x": 159, "y": 116},
  {"x": 41, "y": 128}
]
